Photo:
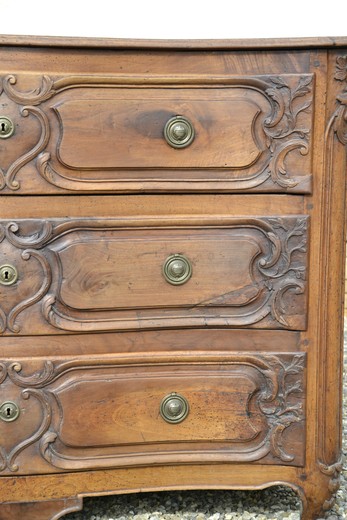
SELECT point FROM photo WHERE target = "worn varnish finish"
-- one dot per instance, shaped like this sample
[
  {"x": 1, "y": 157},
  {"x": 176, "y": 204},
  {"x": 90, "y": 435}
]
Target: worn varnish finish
[
  {"x": 73, "y": 275},
  {"x": 94, "y": 337}
]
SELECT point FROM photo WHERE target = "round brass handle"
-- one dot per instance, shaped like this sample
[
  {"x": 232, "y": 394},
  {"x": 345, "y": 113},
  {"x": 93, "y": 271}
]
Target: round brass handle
[
  {"x": 6, "y": 127},
  {"x": 8, "y": 274},
  {"x": 174, "y": 408},
  {"x": 177, "y": 269},
  {"x": 179, "y": 132}
]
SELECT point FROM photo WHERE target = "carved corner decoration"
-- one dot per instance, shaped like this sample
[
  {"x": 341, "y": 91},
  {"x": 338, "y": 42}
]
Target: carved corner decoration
[
  {"x": 279, "y": 412},
  {"x": 278, "y": 399},
  {"x": 281, "y": 130},
  {"x": 281, "y": 127},
  {"x": 274, "y": 277},
  {"x": 333, "y": 471},
  {"x": 338, "y": 122}
]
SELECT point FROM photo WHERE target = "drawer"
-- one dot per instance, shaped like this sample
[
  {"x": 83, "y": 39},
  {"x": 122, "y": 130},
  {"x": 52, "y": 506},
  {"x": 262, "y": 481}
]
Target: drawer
[
  {"x": 91, "y": 413},
  {"x": 90, "y": 275},
  {"x": 158, "y": 133}
]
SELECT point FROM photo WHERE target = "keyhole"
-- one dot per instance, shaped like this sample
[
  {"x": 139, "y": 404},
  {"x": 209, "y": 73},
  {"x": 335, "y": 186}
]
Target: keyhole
[
  {"x": 9, "y": 411},
  {"x": 3, "y": 127},
  {"x": 8, "y": 275}
]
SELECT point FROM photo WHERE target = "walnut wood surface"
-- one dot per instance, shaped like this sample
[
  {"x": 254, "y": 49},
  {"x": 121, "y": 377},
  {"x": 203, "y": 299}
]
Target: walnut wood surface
[
  {"x": 47, "y": 510},
  {"x": 245, "y": 272},
  {"x": 242, "y": 407},
  {"x": 198, "y": 44},
  {"x": 93, "y": 337}
]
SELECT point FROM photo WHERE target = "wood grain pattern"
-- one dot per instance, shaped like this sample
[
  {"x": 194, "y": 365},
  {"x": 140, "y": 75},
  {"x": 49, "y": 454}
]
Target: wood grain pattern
[
  {"x": 245, "y": 271},
  {"x": 248, "y": 132},
  {"x": 242, "y": 407},
  {"x": 173, "y": 44},
  {"x": 93, "y": 336},
  {"x": 47, "y": 510}
]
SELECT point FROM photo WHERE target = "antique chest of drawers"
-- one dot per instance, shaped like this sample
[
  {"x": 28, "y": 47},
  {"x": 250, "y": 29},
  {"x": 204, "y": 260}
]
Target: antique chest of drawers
[{"x": 171, "y": 268}]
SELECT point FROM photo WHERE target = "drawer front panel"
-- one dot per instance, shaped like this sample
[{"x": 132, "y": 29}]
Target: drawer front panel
[
  {"x": 240, "y": 407},
  {"x": 96, "y": 133},
  {"x": 93, "y": 275}
]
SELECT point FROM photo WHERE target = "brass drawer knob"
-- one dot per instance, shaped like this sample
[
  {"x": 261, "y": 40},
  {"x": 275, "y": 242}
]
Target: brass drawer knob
[
  {"x": 174, "y": 408},
  {"x": 177, "y": 269},
  {"x": 9, "y": 411},
  {"x": 8, "y": 274},
  {"x": 179, "y": 132},
  {"x": 6, "y": 127}
]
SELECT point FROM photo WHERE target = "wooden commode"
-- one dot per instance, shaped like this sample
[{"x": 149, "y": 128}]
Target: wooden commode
[{"x": 171, "y": 268}]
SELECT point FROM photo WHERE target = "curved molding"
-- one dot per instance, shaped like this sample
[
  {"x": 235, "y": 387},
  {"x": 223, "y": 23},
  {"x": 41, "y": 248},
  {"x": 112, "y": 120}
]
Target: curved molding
[
  {"x": 34, "y": 97},
  {"x": 69, "y": 182},
  {"x": 57, "y": 315},
  {"x": 71, "y": 505},
  {"x": 3, "y": 321},
  {"x": 280, "y": 378},
  {"x": 2, "y": 179},
  {"x": 63, "y": 461},
  {"x": 35, "y": 241},
  {"x": 9, "y": 321},
  {"x": 10, "y": 180},
  {"x": 273, "y": 273},
  {"x": 37, "y": 380},
  {"x": 3, "y": 372},
  {"x": 274, "y": 402},
  {"x": 277, "y": 166},
  {"x": 280, "y": 127},
  {"x": 8, "y": 460},
  {"x": 47, "y": 280},
  {"x": 277, "y": 307}
]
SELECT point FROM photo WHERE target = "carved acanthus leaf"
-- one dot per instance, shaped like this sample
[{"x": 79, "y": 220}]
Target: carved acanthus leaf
[
  {"x": 278, "y": 400},
  {"x": 341, "y": 68},
  {"x": 338, "y": 121},
  {"x": 277, "y": 408},
  {"x": 289, "y": 239},
  {"x": 333, "y": 471},
  {"x": 282, "y": 128}
]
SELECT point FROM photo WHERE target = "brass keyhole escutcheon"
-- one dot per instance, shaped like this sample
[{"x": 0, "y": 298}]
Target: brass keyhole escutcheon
[
  {"x": 8, "y": 274},
  {"x": 179, "y": 132},
  {"x": 9, "y": 411},
  {"x": 177, "y": 269},
  {"x": 174, "y": 408},
  {"x": 6, "y": 127}
]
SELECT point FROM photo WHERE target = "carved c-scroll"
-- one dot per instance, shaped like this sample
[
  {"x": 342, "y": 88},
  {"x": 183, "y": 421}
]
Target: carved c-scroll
[
  {"x": 279, "y": 269},
  {"x": 7, "y": 460},
  {"x": 281, "y": 126},
  {"x": 278, "y": 399}
]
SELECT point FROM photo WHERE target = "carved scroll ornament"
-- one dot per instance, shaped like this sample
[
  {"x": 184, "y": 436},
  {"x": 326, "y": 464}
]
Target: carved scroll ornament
[
  {"x": 278, "y": 270},
  {"x": 338, "y": 122},
  {"x": 278, "y": 399},
  {"x": 282, "y": 127}
]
